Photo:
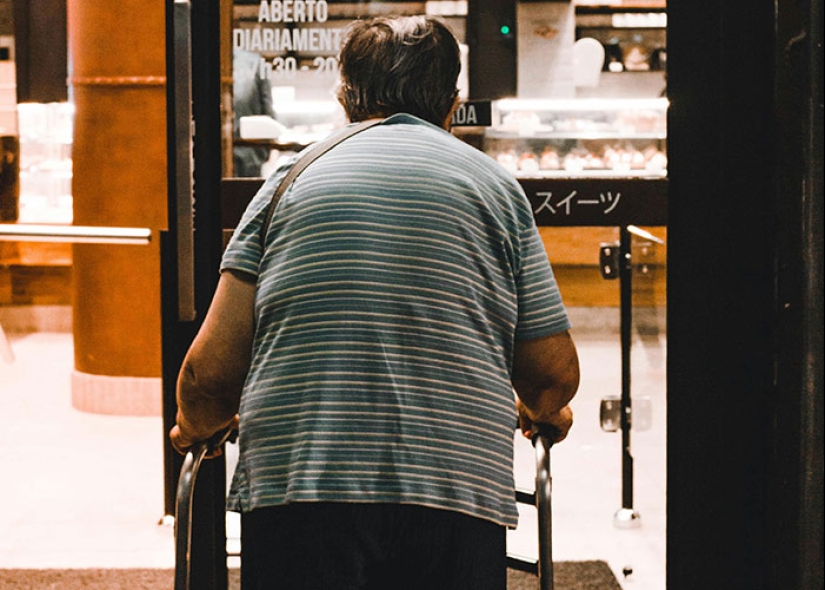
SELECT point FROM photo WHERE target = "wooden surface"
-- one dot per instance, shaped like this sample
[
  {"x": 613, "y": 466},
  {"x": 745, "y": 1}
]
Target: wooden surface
[
  {"x": 574, "y": 254},
  {"x": 35, "y": 273},
  {"x": 41, "y": 273}
]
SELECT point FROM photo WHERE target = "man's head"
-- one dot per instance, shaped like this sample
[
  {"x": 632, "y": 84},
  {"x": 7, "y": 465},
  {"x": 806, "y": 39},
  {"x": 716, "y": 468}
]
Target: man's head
[{"x": 399, "y": 65}]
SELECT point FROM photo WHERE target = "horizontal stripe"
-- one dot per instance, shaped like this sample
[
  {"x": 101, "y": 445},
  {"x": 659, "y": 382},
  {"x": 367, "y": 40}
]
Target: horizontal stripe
[{"x": 399, "y": 270}]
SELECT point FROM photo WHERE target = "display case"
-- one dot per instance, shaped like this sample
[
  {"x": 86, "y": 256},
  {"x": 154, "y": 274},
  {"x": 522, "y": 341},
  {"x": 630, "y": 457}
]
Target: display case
[
  {"x": 581, "y": 162},
  {"x": 599, "y": 183},
  {"x": 579, "y": 137}
]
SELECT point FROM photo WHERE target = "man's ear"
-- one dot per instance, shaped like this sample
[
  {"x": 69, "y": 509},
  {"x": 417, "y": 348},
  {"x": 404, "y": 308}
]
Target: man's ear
[{"x": 448, "y": 121}]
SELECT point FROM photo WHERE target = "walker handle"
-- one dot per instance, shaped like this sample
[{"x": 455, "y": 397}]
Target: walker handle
[
  {"x": 183, "y": 506},
  {"x": 543, "y": 437}
]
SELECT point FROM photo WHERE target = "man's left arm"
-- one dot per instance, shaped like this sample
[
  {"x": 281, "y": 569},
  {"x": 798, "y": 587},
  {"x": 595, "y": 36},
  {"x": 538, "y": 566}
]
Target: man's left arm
[{"x": 215, "y": 367}]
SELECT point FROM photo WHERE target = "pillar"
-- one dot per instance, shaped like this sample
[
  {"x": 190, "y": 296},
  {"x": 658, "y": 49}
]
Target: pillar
[{"x": 118, "y": 85}]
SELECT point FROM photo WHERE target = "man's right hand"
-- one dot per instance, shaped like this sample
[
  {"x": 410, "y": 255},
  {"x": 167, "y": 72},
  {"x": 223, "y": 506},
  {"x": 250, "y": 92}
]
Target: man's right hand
[{"x": 560, "y": 421}]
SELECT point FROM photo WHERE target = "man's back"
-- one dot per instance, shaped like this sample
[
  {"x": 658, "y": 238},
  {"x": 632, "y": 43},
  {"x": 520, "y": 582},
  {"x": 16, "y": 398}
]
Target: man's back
[{"x": 388, "y": 301}]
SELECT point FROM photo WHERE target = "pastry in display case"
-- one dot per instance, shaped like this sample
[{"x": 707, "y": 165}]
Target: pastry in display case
[{"x": 580, "y": 137}]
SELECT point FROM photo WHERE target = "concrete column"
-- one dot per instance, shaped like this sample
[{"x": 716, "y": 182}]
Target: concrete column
[{"x": 118, "y": 85}]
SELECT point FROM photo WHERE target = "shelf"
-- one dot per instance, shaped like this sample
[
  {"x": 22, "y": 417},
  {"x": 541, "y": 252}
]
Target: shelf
[
  {"x": 273, "y": 144},
  {"x": 40, "y": 172},
  {"x": 597, "y": 105},
  {"x": 590, "y": 174},
  {"x": 576, "y": 135},
  {"x": 621, "y": 7}
]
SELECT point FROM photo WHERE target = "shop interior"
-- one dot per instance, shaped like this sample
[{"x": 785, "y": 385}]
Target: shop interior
[{"x": 578, "y": 99}]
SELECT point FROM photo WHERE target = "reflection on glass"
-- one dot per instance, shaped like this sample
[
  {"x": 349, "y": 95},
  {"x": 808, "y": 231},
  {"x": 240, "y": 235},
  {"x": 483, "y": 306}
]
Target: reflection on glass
[
  {"x": 252, "y": 100},
  {"x": 295, "y": 46},
  {"x": 292, "y": 48},
  {"x": 45, "y": 162}
]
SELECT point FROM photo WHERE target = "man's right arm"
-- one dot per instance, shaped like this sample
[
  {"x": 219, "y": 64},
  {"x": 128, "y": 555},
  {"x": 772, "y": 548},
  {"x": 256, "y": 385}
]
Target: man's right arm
[{"x": 545, "y": 378}]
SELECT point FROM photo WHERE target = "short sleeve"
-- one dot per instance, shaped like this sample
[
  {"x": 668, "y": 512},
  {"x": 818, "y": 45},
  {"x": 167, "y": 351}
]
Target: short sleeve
[
  {"x": 541, "y": 311},
  {"x": 244, "y": 250}
]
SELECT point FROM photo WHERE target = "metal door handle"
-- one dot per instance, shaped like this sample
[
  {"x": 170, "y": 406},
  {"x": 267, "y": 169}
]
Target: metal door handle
[{"x": 74, "y": 234}]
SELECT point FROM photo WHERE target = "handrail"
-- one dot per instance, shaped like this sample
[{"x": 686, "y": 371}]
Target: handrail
[{"x": 74, "y": 234}]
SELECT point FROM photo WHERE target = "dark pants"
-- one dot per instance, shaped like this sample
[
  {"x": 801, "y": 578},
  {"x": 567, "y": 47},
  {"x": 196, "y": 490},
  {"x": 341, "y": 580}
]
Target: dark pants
[{"x": 339, "y": 546}]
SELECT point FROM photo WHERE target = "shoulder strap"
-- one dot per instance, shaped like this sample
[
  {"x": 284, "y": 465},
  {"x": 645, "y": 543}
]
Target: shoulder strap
[{"x": 308, "y": 157}]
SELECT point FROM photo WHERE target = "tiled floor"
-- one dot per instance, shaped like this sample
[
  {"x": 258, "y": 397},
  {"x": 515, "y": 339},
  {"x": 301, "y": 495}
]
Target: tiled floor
[{"x": 84, "y": 490}]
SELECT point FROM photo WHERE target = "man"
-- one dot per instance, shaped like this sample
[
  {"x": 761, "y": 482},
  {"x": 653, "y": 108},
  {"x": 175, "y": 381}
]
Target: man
[
  {"x": 372, "y": 344},
  {"x": 251, "y": 95}
]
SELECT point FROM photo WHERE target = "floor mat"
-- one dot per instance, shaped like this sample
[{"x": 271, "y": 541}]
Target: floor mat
[{"x": 568, "y": 575}]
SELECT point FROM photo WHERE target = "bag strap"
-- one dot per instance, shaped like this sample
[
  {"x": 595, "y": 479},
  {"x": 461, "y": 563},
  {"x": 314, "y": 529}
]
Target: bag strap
[{"x": 305, "y": 159}]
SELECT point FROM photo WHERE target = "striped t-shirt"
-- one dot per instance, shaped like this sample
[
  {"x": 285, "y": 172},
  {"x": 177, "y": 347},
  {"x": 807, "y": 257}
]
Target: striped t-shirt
[{"x": 398, "y": 270}]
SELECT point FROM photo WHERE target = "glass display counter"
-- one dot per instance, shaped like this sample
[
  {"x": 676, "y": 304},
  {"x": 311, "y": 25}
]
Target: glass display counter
[
  {"x": 583, "y": 162},
  {"x": 579, "y": 137},
  {"x": 588, "y": 167},
  {"x": 600, "y": 162}
]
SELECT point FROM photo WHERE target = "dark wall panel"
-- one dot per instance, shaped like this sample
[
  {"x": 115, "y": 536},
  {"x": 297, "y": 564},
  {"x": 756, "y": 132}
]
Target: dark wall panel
[
  {"x": 41, "y": 53},
  {"x": 744, "y": 456},
  {"x": 492, "y": 59}
]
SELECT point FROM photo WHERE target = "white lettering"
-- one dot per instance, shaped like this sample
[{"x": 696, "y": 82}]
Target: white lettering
[
  {"x": 329, "y": 40},
  {"x": 269, "y": 41},
  {"x": 293, "y": 11},
  {"x": 254, "y": 40},
  {"x": 286, "y": 41},
  {"x": 240, "y": 38},
  {"x": 263, "y": 13},
  {"x": 472, "y": 119},
  {"x": 322, "y": 11},
  {"x": 313, "y": 39},
  {"x": 265, "y": 69},
  {"x": 465, "y": 115},
  {"x": 300, "y": 11},
  {"x": 310, "y": 10},
  {"x": 299, "y": 39}
]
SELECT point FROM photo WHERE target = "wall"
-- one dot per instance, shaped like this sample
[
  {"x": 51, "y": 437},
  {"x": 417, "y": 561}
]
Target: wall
[{"x": 42, "y": 68}]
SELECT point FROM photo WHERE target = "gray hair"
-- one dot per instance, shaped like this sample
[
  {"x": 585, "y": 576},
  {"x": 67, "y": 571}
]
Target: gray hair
[{"x": 399, "y": 65}]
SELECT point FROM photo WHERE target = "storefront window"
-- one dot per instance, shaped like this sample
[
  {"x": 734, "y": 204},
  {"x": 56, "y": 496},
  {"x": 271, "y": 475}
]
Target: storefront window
[
  {"x": 578, "y": 113},
  {"x": 294, "y": 45}
]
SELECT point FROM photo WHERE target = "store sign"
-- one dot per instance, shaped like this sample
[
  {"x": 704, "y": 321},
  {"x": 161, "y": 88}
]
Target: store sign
[
  {"x": 597, "y": 201},
  {"x": 293, "y": 37},
  {"x": 473, "y": 113}
]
